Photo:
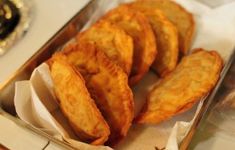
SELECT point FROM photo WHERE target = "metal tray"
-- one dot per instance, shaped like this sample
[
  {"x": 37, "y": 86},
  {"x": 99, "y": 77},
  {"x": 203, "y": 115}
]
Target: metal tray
[{"x": 59, "y": 39}]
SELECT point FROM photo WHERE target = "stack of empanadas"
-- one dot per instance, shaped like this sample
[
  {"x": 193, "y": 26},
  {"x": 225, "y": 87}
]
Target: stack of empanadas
[{"x": 93, "y": 74}]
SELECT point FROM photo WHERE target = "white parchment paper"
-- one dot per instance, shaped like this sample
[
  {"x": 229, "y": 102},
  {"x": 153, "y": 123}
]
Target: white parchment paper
[{"x": 35, "y": 102}]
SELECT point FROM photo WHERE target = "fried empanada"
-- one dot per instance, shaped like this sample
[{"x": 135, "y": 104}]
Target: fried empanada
[
  {"x": 179, "y": 16},
  {"x": 167, "y": 41},
  {"x": 192, "y": 79},
  {"x": 137, "y": 26},
  {"x": 108, "y": 85},
  {"x": 75, "y": 102},
  {"x": 112, "y": 40}
]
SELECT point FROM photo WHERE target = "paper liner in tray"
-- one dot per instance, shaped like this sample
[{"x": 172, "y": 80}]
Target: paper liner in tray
[{"x": 35, "y": 102}]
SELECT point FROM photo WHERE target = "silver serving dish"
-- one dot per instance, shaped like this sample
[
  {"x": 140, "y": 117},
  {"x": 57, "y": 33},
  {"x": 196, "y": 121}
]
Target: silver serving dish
[
  {"x": 58, "y": 40},
  {"x": 25, "y": 14}
]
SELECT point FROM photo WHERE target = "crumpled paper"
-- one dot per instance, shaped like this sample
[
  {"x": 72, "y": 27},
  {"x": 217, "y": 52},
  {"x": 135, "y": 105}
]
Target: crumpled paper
[{"x": 214, "y": 31}]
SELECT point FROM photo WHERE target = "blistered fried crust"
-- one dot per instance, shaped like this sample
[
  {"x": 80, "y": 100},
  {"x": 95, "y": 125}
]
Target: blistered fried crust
[
  {"x": 179, "y": 16},
  {"x": 167, "y": 41},
  {"x": 75, "y": 102},
  {"x": 113, "y": 41},
  {"x": 108, "y": 85},
  {"x": 137, "y": 26},
  {"x": 192, "y": 79}
]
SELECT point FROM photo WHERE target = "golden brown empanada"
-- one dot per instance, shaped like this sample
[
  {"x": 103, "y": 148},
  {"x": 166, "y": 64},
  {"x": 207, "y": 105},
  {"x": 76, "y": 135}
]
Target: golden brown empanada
[
  {"x": 112, "y": 40},
  {"x": 192, "y": 79},
  {"x": 178, "y": 15},
  {"x": 166, "y": 35},
  {"x": 108, "y": 85},
  {"x": 75, "y": 102},
  {"x": 136, "y": 25}
]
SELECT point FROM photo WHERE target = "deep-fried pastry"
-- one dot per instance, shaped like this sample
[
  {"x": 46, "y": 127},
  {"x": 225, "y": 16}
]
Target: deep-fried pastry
[
  {"x": 167, "y": 41},
  {"x": 112, "y": 40},
  {"x": 192, "y": 79},
  {"x": 108, "y": 85},
  {"x": 179, "y": 16},
  {"x": 136, "y": 25},
  {"x": 75, "y": 102}
]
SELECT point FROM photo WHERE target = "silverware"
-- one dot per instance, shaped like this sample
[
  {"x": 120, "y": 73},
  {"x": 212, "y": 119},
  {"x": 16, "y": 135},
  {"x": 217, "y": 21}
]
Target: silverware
[{"x": 15, "y": 17}]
